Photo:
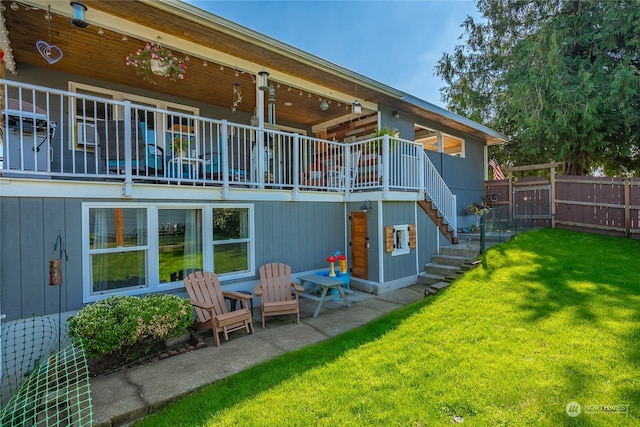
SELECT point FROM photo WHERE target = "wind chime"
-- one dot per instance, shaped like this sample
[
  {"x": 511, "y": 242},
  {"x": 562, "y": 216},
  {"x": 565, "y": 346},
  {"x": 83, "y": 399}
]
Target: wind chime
[
  {"x": 271, "y": 100},
  {"x": 271, "y": 109},
  {"x": 50, "y": 52},
  {"x": 237, "y": 96}
]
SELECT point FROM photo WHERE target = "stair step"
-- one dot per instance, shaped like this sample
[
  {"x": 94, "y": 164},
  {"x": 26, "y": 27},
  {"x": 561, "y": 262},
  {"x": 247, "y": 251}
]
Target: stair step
[
  {"x": 451, "y": 259},
  {"x": 425, "y": 278},
  {"x": 461, "y": 250},
  {"x": 433, "y": 289},
  {"x": 471, "y": 265},
  {"x": 440, "y": 269}
]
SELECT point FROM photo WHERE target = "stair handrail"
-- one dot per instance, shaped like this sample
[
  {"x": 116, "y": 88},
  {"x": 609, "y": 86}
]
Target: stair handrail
[{"x": 439, "y": 194}]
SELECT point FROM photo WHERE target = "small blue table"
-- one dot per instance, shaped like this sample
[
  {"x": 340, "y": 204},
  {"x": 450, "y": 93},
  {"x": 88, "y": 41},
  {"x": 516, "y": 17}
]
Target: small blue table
[{"x": 327, "y": 284}]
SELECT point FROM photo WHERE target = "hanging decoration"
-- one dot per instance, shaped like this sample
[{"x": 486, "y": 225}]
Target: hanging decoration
[
  {"x": 237, "y": 96},
  {"x": 271, "y": 110},
  {"x": 158, "y": 60},
  {"x": 50, "y": 52}
]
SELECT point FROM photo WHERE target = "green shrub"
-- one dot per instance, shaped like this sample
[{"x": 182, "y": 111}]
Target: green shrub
[{"x": 119, "y": 324}]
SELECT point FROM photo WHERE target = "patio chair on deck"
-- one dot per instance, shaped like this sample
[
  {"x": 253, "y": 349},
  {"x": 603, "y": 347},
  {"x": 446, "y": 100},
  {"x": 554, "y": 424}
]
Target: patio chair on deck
[
  {"x": 342, "y": 175},
  {"x": 279, "y": 294},
  {"x": 207, "y": 297},
  {"x": 154, "y": 153},
  {"x": 111, "y": 145}
]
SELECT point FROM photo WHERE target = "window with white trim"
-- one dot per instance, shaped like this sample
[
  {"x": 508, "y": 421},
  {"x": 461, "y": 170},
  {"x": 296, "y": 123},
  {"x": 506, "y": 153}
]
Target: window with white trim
[
  {"x": 87, "y": 115},
  {"x": 439, "y": 142},
  {"x": 400, "y": 240},
  {"x": 118, "y": 249},
  {"x": 134, "y": 249},
  {"x": 231, "y": 240}
]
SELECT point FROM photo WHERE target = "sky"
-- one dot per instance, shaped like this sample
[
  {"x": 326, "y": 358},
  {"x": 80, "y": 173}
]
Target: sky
[{"x": 394, "y": 42}]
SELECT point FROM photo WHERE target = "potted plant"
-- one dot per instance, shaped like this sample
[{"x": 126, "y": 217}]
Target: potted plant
[
  {"x": 376, "y": 144},
  {"x": 179, "y": 146},
  {"x": 158, "y": 60},
  {"x": 477, "y": 208}
]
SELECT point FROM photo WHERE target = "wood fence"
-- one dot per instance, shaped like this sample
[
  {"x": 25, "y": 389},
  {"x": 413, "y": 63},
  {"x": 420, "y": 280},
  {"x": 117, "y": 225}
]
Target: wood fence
[{"x": 604, "y": 205}]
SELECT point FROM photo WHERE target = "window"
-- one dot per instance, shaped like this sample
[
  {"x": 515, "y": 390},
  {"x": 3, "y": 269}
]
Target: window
[
  {"x": 439, "y": 142},
  {"x": 118, "y": 248},
  {"x": 88, "y": 113},
  {"x": 142, "y": 248},
  {"x": 231, "y": 240},
  {"x": 179, "y": 243},
  {"x": 400, "y": 239}
]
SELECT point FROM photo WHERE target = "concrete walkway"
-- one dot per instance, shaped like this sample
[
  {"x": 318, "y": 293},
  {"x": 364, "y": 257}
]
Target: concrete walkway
[{"x": 122, "y": 398}]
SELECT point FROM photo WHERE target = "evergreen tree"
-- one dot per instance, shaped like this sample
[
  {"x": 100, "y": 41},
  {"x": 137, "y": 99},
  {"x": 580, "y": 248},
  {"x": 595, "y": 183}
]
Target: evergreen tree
[{"x": 560, "y": 78}]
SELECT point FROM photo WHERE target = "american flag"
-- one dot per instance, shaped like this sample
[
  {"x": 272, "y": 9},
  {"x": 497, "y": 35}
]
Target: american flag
[{"x": 497, "y": 172}]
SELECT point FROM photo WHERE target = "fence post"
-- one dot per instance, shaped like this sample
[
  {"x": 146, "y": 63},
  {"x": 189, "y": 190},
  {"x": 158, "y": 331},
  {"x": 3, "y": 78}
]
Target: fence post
[
  {"x": 627, "y": 207},
  {"x": 553, "y": 197}
]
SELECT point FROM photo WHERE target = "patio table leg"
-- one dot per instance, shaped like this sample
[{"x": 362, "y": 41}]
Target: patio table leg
[
  {"x": 322, "y": 297},
  {"x": 343, "y": 294}
]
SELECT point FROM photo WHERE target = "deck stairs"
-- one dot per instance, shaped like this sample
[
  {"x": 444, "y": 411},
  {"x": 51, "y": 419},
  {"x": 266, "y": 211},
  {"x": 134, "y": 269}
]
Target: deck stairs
[
  {"x": 450, "y": 262},
  {"x": 437, "y": 217}
]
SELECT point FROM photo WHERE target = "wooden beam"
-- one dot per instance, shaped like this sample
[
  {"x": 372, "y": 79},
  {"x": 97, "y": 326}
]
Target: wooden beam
[
  {"x": 532, "y": 167},
  {"x": 119, "y": 226}
]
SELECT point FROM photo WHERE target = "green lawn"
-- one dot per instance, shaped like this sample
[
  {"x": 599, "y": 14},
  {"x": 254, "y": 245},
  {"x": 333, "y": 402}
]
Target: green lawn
[{"x": 552, "y": 318}]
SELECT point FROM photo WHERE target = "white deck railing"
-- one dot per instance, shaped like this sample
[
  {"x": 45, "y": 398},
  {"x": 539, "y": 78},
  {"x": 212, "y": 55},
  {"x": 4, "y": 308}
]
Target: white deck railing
[{"x": 54, "y": 133}]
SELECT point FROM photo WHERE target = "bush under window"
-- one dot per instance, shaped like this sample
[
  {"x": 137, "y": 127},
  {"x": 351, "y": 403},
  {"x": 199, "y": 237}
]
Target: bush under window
[{"x": 124, "y": 326}]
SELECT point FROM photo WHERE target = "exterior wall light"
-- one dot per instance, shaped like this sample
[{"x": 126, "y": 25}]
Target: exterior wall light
[
  {"x": 356, "y": 107},
  {"x": 263, "y": 86}
]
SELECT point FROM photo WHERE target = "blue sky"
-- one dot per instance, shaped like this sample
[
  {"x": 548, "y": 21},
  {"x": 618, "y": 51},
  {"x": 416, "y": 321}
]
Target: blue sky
[{"x": 397, "y": 43}]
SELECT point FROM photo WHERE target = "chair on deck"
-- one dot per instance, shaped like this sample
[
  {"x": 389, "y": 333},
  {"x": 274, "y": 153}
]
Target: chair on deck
[
  {"x": 238, "y": 161},
  {"x": 279, "y": 294},
  {"x": 111, "y": 145},
  {"x": 154, "y": 154},
  {"x": 345, "y": 173},
  {"x": 207, "y": 297}
]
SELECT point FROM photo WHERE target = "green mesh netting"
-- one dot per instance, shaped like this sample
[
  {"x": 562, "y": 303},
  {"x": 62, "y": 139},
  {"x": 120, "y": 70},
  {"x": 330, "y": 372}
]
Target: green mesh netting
[{"x": 45, "y": 377}]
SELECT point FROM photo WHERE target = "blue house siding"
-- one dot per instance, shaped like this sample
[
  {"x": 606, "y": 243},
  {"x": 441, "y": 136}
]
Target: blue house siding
[{"x": 301, "y": 234}]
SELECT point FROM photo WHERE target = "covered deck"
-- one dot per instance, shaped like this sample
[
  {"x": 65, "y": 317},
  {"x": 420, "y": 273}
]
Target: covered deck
[{"x": 63, "y": 135}]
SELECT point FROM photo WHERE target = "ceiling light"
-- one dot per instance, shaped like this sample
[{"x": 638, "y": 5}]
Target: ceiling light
[
  {"x": 14, "y": 6},
  {"x": 78, "y": 14},
  {"x": 221, "y": 67},
  {"x": 356, "y": 107},
  {"x": 204, "y": 64},
  {"x": 324, "y": 105},
  {"x": 186, "y": 58},
  {"x": 100, "y": 32},
  {"x": 124, "y": 38},
  {"x": 288, "y": 104}
]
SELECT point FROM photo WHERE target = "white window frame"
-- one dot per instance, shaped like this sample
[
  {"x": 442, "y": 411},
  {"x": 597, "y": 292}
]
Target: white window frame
[
  {"x": 76, "y": 121},
  {"x": 439, "y": 142},
  {"x": 400, "y": 240},
  {"x": 250, "y": 240},
  {"x": 152, "y": 268}
]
